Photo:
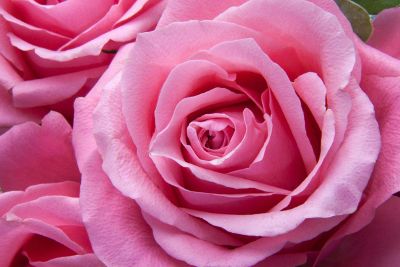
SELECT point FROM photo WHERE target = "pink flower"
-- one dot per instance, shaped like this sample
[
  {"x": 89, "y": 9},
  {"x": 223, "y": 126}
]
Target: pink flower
[
  {"x": 40, "y": 220},
  {"x": 53, "y": 51},
  {"x": 41, "y": 226},
  {"x": 247, "y": 132}
]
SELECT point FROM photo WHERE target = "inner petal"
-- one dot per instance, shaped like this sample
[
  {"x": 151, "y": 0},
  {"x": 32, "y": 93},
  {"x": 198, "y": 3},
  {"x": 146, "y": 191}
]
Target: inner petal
[{"x": 213, "y": 135}]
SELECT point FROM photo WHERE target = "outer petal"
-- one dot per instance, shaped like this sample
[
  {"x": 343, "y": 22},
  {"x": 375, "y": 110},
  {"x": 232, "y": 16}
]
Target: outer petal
[
  {"x": 177, "y": 10},
  {"x": 377, "y": 245},
  {"x": 381, "y": 81},
  {"x": 10, "y": 115},
  {"x": 26, "y": 147},
  {"x": 86, "y": 260},
  {"x": 119, "y": 235},
  {"x": 46, "y": 91},
  {"x": 314, "y": 47},
  {"x": 386, "y": 35},
  {"x": 47, "y": 210}
]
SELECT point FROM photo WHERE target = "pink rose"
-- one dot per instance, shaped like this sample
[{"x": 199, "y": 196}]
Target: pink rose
[
  {"x": 40, "y": 220},
  {"x": 53, "y": 51},
  {"x": 42, "y": 227},
  {"x": 245, "y": 133}
]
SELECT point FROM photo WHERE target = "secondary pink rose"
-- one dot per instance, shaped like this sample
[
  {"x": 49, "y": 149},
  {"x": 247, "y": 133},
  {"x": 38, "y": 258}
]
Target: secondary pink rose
[
  {"x": 42, "y": 227},
  {"x": 235, "y": 137},
  {"x": 40, "y": 220},
  {"x": 386, "y": 34},
  {"x": 53, "y": 51}
]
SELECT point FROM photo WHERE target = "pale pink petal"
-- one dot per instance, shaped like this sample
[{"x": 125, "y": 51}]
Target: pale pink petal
[
  {"x": 26, "y": 228},
  {"x": 339, "y": 193},
  {"x": 116, "y": 26},
  {"x": 312, "y": 91},
  {"x": 282, "y": 21},
  {"x": 22, "y": 34},
  {"x": 200, "y": 253},
  {"x": 380, "y": 81},
  {"x": 246, "y": 55},
  {"x": 249, "y": 203},
  {"x": 60, "y": 18},
  {"x": 386, "y": 34},
  {"x": 376, "y": 245},
  {"x": 334, "y": 9},
  {"x": 10, "y": 53},
  {"x": 93, "y": 46},
  {"x": 167, "y": 143},
  {"x": 281, "y": 164},
  {"x": 156, "y": 61},
  {"x": 85, "y": 260},
  {"x": 26, "y": 147},
  {"x": 46, "y": 91},
  {"x": 314, "y": 178},
  {"x": 10, "y": 115},
  {"x": 9, "y": 76},
  {"x": 194, "y": 10},
  {"x": 194, "y": 139},
  {"x": 43, "y": 215},
  {"x": 186, "y": 79},
  {"x": 136, "y": 7},
  {"x": 122, "y": 166},
  {"x": 117, "y": 231},
  {"x": 83, "y": 121},
  {"x": 12, "y": 198},
  {"x": 54, "y": 210},
  {"x": 173, "y": 174}
]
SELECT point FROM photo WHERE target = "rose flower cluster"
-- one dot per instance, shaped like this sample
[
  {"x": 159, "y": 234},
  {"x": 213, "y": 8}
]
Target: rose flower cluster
[{"x": 197, "y": 133}]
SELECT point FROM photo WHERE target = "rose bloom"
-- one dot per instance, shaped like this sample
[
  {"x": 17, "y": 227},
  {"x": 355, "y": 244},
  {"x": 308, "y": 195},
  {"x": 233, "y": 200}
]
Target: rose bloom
[
  {"x": 40, "y": 219},
  {"x": 244, "y": 133},
  {"x": 53, "y": 50}
]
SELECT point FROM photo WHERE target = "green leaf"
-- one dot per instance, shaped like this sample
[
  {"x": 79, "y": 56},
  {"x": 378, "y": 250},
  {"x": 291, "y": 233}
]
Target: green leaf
[
  {"x": 376, "y": 6},
  {"x": 358, "y": 17}
]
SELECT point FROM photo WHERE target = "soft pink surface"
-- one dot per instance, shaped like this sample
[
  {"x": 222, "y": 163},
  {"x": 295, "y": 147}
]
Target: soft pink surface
[
  {"x": 386, "y": 34},
  {"x": 48, "y": 57},
  {"x": 34, "y": 154},
  {"x": 41, "y": 226},
  {"x": 238, "y": 140},
  {"x": 376, "y": 245}
]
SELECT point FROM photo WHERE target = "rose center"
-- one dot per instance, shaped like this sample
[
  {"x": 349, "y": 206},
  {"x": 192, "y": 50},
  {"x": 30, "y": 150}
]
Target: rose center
[
  {"x": 216, "y": 139},
  {"x": 211, "y": 134}
]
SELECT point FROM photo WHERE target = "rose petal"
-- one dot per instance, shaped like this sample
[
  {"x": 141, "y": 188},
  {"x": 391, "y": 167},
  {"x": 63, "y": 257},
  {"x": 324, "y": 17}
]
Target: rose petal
[
  {"x": 140, "y": 93},
  {"x": 112, "y": 230},
  {"x": 10, "y": 115},
  {"x": 280, "y": 162},
  {"x": 339, "y": 193},
  {"x": 386, "y": 34},
  {"x": 23, "y": 34},
  {"x": 86, "y": 260},
  {"x": 378, "y": 243},
  {"x": 184, "y": 80},
  {"x": 312, "y": 91},
  {"x": 380, "y": 81},
  {"x": 54, "y": 210},
  {"x": 194, "y": 10},
  {"x": 25, "y": 147},
  {"x": 126, "y": 173},
  {"x": 246, "y": 55},
  {"x": 200, "y": 253},
  {"x": 60, "y": 18},
  {"x": 314, "y": 46},
  {"x": 46, "y": 91}
]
